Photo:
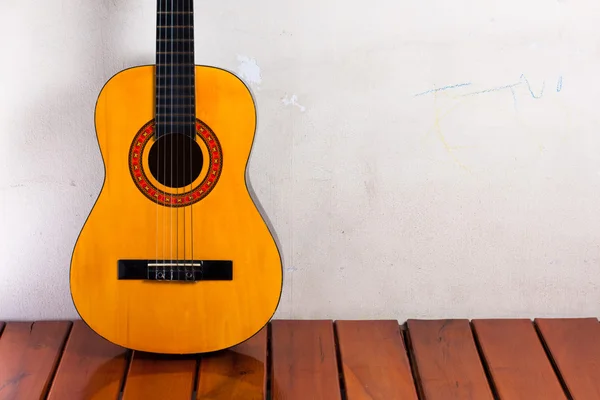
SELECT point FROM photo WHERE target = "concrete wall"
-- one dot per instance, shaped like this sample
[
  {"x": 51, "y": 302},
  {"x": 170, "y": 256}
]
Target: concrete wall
[{"x": 416, "y": 159}]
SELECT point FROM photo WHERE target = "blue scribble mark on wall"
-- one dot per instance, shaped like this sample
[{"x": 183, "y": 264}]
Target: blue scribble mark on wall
[
  {"x": 443, "y": 88},
  {"x": 529, "y": 87},
  {"x": 494, "y": 89},
  {"x": 522, "y": 80}
]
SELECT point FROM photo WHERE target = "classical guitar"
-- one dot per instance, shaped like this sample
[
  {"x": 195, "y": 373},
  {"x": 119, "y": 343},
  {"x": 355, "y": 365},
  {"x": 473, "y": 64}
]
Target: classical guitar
[{"x": 174, "y": 256}]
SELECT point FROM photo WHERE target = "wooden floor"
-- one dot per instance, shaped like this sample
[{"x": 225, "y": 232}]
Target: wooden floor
[{"x": 544, "y": 359}]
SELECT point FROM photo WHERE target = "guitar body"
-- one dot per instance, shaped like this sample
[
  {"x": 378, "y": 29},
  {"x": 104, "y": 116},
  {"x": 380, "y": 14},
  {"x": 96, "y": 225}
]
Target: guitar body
[{"x": 137, "y": 219}]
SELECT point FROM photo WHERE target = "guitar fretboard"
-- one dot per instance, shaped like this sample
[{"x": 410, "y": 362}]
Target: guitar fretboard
[{"x": 175, "y": 101}]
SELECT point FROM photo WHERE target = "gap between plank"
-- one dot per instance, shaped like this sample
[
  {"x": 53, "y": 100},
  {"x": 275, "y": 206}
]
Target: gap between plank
[
  {"x": 269, "y": 366},
  {"x": 125, "y": 373},
  {"x": 486, "y": 368},
  {"x": 196, "y": 380},
  {"x": 340, "y": 366},
  {"x": 61, "y": 351},
  {"x": 412, "y": 361},
  {"x": 559, "y": 376}
]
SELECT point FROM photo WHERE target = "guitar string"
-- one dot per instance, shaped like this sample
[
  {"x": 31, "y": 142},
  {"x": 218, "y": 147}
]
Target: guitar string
[
  {"x": 162, "y": 122},
  {"x": 186, "y": 58},
  {"x": 172, "y": 132},
  {"x": 181, "y": 106},
  {"x": 158, "y": 107},
  {"x": 193, "y": 125},
  {"x": 167, "y": 129},
  {"x": 166, "y": 124},
  {"x": 175, "y": 70},
  {"x": 188, "y": 127},
  {"x": 178, "y": 161},
  {"x": 181, "y": 80}
]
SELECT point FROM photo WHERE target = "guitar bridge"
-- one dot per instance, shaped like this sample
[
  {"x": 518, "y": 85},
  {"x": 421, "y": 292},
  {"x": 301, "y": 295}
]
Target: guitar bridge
[{"x": 175, "y": 270}]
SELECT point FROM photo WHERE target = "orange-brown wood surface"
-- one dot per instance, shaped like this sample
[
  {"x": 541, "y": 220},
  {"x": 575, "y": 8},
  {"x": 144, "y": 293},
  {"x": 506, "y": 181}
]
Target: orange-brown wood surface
[
  {"x": 517, "y": 361},
  {"x": 237, "y": 373},
  {"x": 91, "y": 367},
  {"x": 160, "y": 377},
  {"x": 304, "y": 361},
  {"x": 29, "y": 354},
  {"x": 309, "y": 359},
  {"x": 447, "y": 361},
  {"x": 574, "y": 344},
  {"x": 374, "y": 361}
]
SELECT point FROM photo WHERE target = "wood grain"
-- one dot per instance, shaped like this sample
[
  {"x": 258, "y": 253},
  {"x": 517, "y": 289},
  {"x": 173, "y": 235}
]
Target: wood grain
[
  {"x": 516, "y": 359},
  {"x": 447, "y": 360},
  {"x": 156, "y": 376},
  {"x": 29, "y": 354},
  {"x": 574, "y": 344},
  {"x": 90, "y": 368},
  {"x": 304, "y": 361},
  {"x": 374, "y": 361},
  {"x": 236, "y": 373}
]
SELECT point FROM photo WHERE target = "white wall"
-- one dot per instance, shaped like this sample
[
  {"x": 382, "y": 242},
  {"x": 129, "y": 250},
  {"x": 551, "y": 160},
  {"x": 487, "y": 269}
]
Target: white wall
[{"x": 387, "y": 202}]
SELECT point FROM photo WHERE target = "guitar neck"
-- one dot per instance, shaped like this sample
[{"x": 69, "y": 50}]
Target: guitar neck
[{"x": 175, "y": 85}]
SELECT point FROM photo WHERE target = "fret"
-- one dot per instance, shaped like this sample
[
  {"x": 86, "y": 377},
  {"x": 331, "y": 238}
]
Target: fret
[
  {"x": 174, "y": 86},
  {"x": 185, "y": 97},
  {"x": 174, "y": 68},
  {"x": 175, "y": 47},
  {"x": 175, "y": 6},
  {"x": 180, "y": 124},
  {"x": 165, "y": 127},
  {"x": 173, "y": 24},
  {"x": 174, "y": 90},
  {"x": 171, "y": 107},
  {"x": 167, "y": 61},
  {"x": 164, "y": 79},
  {"x": 172, "y": 116},
  {"x": 175, "y": 104},
  {"x": 174, "y": 19},
  {"x": 176, "y": 27},
  {"x": 175, "y": 119},
  {"x": 167, "y": 100}
]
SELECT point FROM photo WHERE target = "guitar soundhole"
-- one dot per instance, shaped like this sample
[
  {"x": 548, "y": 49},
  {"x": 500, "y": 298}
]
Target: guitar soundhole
[{"x": 175, "y": 160}]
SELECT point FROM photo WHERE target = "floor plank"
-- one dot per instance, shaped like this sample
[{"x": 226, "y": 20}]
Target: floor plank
[
  {"x": 304, "y": 364},
  {"x": 516, "y": 359},
  {"x": 574, "y": 344},
  {"x": 156, "y": 376},
  {"x": 237, "y": 373},
  {"x": 29, "y": 354},
  {"x": 447, "y": 361},
  {"x": 91, "y": 367},
  {"x": 374, "y": 361}
]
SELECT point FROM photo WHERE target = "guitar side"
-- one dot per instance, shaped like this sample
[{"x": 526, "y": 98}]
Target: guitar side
[{"x": 220, "y": 222}]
